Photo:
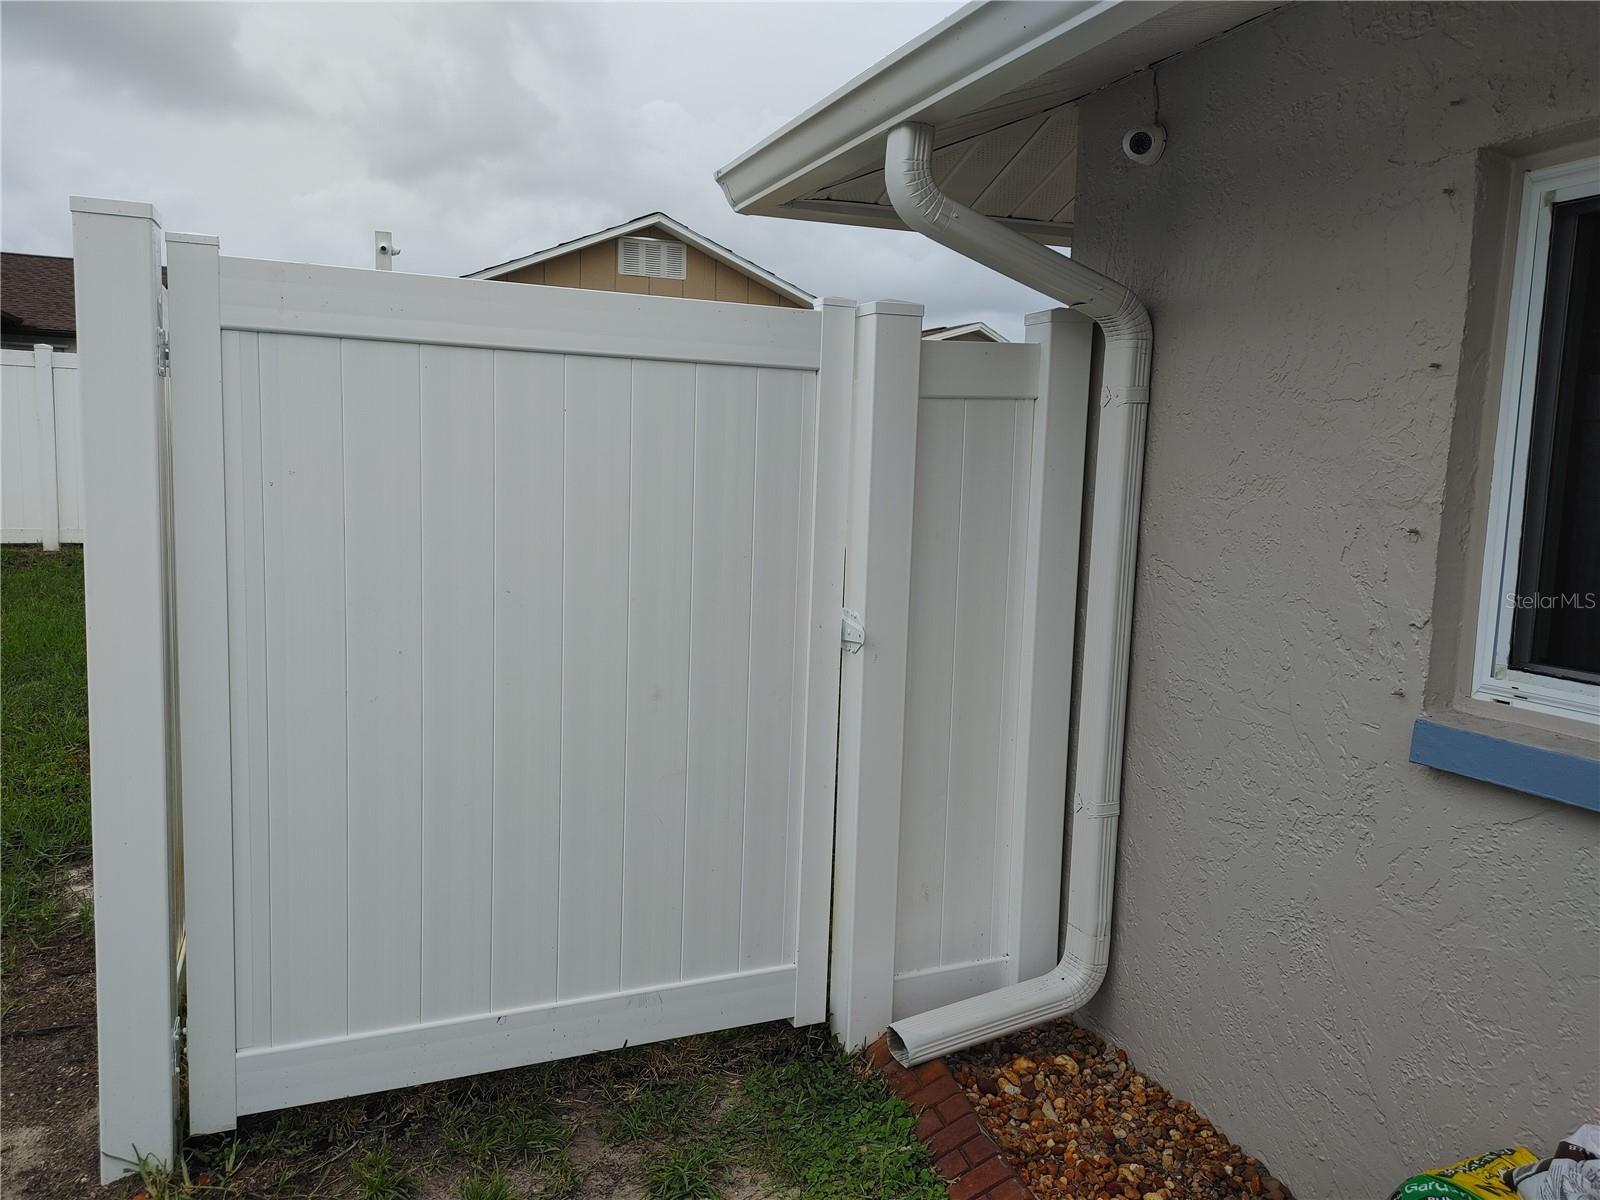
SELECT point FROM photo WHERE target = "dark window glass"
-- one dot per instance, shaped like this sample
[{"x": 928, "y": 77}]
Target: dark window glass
[{"x": 1556, "y": 627}]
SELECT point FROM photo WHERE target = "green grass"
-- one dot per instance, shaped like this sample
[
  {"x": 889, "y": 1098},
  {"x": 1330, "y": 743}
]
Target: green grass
[
  {"x": 785, "y": 1105},
  {"x": 44, "y": 738},
  {"x": 834, "y": 1131},
  {"x": 379, "y": 1177},
  {"x": 491, "y": 1130},
  {"x": 655, "y": 1112},
  {"x": 487, "y": 1187},
  {"x": 691, "y": 1172}
]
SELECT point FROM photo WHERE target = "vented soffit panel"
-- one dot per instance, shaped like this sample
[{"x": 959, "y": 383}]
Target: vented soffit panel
[{"x": 999, "y": 81}]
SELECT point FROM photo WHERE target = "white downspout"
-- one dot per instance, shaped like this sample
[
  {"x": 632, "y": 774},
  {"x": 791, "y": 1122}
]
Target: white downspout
[{"x": 1108, "y": 620}]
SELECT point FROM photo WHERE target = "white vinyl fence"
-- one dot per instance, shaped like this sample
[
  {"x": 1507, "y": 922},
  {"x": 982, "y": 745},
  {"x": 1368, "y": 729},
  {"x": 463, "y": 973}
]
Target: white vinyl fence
[
  {"x": 41, "y": 447},
  {"x": 467, "y": 656}
]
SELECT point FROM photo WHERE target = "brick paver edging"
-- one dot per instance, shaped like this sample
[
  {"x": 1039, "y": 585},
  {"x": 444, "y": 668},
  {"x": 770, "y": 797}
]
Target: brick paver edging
[{"x": 948, "y": 1125}]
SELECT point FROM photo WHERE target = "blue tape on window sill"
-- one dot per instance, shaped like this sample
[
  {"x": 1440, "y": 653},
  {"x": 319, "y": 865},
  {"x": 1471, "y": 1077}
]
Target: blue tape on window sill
[{"x": 1536, "y": 770}]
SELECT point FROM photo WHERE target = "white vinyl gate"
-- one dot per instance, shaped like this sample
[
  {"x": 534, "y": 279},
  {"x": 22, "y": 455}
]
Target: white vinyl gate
[
  {"x": 517, "y": 600},
  {"x": 468, "y": 656}
]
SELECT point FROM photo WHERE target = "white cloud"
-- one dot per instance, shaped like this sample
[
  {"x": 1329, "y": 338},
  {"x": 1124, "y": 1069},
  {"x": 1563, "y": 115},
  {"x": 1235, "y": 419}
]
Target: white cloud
[{"x": 477, "y": 132}]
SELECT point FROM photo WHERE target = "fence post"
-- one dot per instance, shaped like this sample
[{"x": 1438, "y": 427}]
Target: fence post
[
  {"x": 117, "y": 271},
  {"x": 888, "y": 360},
  {"x": 200, "y": 600},
  {"x": 44, "y": 407},
  {"x": 831, "y": 475},
  {"x": 1049, "y": 620}
]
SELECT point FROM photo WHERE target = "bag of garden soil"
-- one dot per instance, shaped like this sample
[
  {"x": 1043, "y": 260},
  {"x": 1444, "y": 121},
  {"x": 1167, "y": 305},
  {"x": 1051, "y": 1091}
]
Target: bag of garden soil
[{"x": 1470, "y": 1179}]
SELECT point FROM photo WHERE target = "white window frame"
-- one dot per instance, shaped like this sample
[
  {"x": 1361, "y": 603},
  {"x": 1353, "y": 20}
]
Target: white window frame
[{"x": 1492, "y": 677}]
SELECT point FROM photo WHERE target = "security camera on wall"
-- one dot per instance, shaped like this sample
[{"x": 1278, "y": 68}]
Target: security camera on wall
[{"x": 1144, "y": 144}]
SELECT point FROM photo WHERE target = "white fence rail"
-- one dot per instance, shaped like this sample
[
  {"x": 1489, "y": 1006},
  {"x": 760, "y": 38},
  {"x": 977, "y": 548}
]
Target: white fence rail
[
  {"x": 41, "y": 447},
  {"x": 472, "y": 651}
]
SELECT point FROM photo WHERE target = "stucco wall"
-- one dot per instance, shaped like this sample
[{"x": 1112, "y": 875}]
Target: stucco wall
[{"x": 1357, "y": 966}]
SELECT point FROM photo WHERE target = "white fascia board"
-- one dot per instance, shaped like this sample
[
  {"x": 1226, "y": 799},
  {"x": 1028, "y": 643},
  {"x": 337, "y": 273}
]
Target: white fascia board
[
  {"x": 656, "y": 220},
  {"x": 970, "y": 60}
]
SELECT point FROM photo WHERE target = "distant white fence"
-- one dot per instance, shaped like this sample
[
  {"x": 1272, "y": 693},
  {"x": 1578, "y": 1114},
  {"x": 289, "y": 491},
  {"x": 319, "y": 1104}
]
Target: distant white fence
[{"x": 41, "y": 447}]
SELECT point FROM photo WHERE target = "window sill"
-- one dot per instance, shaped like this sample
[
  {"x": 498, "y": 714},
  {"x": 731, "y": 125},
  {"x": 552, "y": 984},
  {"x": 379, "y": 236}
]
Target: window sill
[{"x": 1554, "y": 774}]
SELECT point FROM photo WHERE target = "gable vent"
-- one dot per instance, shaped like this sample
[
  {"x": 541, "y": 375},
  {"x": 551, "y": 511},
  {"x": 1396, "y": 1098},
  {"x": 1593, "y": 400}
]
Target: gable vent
[{"x": 657, "y": 258}]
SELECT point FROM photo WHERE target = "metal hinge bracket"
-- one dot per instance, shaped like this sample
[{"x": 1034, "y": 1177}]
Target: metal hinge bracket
[{"x": 851, "y": 636}]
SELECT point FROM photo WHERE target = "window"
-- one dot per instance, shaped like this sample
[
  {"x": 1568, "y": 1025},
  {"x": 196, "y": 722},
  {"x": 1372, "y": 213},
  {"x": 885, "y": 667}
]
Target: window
[
  {"x": 657, "y": 258},
  {"x": 1539, "y": 613}
]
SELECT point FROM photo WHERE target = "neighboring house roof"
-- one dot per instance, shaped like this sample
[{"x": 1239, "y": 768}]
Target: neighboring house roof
[
  {"x": 972, "y": 331},
  {"x": 999, "y": 83},
  {"x": 36, "y": 293},
  {"x": 650, "y": 222}
]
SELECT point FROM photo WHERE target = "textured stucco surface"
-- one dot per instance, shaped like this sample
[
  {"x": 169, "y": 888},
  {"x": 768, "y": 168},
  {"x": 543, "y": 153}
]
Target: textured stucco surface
[{"x": 1356, "y": 966}]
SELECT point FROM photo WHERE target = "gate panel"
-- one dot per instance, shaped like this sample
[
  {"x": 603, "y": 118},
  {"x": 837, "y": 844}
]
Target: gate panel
[
  {"x": 969, "y": 542},
  {"x": 518, "y": 645}
]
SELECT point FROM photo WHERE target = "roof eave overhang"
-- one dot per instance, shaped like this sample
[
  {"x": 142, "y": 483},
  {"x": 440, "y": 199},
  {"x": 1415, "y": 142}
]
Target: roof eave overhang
[{"x": 965, "y": 65}]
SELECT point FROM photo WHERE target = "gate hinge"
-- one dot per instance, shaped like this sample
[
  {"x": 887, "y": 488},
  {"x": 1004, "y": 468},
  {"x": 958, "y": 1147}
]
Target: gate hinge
[
  {"x": 851, "y": 635},
  {"x": 163, "y": 352}
]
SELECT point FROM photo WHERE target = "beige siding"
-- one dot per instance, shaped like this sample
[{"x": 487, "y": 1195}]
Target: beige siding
[{"x": 595, "y": 269}]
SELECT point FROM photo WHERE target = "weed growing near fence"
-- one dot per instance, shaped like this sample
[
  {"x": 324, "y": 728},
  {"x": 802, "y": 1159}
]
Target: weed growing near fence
[{"x": 44, "y": 728}]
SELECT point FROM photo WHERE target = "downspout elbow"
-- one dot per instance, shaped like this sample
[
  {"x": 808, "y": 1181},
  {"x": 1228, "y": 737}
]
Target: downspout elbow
[
  {"x": 1102, "y": 705},
  {"x": 926, "y": 208}
]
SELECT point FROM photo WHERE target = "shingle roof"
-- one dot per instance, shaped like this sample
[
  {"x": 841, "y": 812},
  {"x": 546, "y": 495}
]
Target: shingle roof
[{"x": 36, "y": 292}]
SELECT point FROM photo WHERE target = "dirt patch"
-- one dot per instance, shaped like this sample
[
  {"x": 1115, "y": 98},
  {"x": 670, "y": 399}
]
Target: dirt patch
[
  {"x": 1076, "y": 1119},
  {"x": 49, "y": 1142}
]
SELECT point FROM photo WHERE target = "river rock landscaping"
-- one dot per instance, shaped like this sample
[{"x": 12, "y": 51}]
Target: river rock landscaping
[{"x": 1077, "y": 1120}]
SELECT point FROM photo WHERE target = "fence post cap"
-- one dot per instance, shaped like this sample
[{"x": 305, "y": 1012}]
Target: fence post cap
[{"x": 115, "y": 208}]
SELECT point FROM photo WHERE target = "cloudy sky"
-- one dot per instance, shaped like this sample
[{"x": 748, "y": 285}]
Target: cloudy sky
[{"x": 477, "y": 133}]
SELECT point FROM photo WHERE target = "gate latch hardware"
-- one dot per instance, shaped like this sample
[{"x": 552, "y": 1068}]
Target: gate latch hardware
[
  {"x": 163, "y": 353},
  {"x": 851, "y": 635}
]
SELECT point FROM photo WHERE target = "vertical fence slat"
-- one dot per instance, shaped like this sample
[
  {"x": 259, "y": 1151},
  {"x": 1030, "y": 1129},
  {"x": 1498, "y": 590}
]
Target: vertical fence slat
[
  {"x": 117, "y": 273},
  {"x": 529, "y": 437},
  {"x": 660, "y": 538},
  {"x": 594, "y": 695},
  {"x": 1050, "y": 603},
  {"x": 44, "y": 395},
  {"x": 383, "y": 574},
  {"x": 873, "y": 701},
  {"x": 303, "y": 487},
  {"x": 719, "y": 667},
  {"x": 200, "y": 574},
  {"x": 768, "y": 738},
  {"x": 458, "y": 665},
  {"x": 930, "y": 677}
]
